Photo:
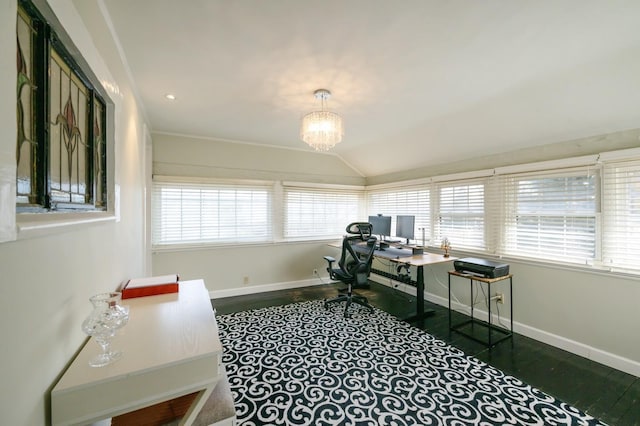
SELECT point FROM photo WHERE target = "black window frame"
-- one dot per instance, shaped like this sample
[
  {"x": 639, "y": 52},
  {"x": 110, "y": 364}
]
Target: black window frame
[{"x": 47, "y": 37}]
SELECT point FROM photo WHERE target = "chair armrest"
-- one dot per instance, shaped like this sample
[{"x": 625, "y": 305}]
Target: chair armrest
[{"x": 329, "y": 259}]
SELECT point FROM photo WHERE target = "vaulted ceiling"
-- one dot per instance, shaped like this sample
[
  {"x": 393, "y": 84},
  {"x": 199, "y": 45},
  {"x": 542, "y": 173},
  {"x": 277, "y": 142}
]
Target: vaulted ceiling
[{"x": 418, "y": 82}]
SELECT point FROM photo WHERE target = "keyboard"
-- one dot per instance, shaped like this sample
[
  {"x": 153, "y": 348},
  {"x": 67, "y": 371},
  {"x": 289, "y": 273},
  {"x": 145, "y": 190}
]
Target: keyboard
[
  {"x": 392, "y": 240},
  {"x": 393, "y": 252}
]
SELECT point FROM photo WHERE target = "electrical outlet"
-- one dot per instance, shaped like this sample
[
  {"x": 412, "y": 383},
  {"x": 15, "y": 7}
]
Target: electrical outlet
[
  {"x": 246, "y": 280},
  {"x": 500, "y": 297},
  {"x": 315, "y": 272}
]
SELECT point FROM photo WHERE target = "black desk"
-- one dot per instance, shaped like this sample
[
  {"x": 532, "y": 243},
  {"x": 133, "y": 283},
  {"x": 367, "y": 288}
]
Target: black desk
[{"x": 404, "y": 256}]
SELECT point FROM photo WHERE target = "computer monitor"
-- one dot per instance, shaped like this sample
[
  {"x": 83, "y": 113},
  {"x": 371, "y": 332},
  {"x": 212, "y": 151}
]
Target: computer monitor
[
  {"x": 405, "y": 226},
  {"x": 381, "y": 225}
]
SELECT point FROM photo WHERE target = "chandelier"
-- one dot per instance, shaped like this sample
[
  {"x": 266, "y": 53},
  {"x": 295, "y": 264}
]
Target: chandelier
[{"x": 322, "y": 130}]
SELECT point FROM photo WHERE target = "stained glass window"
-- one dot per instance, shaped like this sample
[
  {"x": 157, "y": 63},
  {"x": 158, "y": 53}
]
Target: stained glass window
[{"x": 61, "y": 152}]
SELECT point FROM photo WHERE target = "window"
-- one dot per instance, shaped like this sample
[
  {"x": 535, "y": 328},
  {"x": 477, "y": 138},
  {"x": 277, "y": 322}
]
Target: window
[
  {"x": 196, "y": 213},
  {"x": 319, "y": 212},
  {"x": 412, "y": 201},
  {"x": 460, "y": 214},
  {"x": 61, "y": 140},
  {"x": 577, "y": 211},
  {"x": 621, "y": 215},
  {"x": 552, "y": 215}
]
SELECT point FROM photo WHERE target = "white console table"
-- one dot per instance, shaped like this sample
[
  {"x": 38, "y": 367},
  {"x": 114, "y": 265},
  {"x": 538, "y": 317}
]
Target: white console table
[{"x": 170, "y": 348}]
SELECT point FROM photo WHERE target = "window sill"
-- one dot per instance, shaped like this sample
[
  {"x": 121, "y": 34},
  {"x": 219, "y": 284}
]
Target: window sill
[
  {"x": 219, "y": 246},
  {"x": 546, "y": 263},
  {"x": 34, "y": 225}
]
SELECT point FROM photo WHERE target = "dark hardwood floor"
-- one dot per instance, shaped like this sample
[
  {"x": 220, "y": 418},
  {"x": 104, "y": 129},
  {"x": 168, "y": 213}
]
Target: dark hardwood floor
[{"x": 603, "y": 392}]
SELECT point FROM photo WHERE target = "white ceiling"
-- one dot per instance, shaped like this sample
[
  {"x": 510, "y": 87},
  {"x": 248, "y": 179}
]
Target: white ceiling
[{"x": 418, "y": 82}]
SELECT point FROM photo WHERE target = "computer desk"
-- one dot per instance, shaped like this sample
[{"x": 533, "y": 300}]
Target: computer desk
[
  {"x": 419, "y": 261},
  {"x": 400, "y": 256}
]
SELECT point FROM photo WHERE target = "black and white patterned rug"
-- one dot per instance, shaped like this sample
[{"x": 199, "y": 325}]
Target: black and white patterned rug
[{"x": 300, "y": 364}]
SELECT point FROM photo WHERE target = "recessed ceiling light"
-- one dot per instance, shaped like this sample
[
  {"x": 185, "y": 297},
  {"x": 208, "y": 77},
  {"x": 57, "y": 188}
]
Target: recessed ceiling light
[{"x": 170, "y": 97}]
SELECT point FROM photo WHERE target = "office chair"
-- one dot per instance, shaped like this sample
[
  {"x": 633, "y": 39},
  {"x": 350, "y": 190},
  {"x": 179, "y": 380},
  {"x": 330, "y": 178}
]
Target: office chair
[{"x": 354, "y": 265}]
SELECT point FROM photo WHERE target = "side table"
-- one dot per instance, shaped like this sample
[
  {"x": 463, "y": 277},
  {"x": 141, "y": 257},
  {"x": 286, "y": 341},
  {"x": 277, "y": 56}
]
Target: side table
[
  {"x": 505, "y": 333},
  {"x": 171, "y": 349}
]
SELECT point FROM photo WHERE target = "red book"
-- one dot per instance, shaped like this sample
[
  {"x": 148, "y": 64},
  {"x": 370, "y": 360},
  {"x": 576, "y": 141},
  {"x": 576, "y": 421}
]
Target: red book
[{"x": 150, "y": 286}]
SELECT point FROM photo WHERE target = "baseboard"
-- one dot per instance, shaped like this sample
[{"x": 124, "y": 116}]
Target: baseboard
[
  {"x": 597, "y": 355},
  {"x": 242, "y": 291},
  {"x": 594, "y": 354}
]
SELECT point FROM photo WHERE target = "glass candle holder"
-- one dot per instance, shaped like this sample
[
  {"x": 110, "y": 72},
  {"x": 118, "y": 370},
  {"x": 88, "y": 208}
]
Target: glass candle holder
[{"x": 107, "y": 316}]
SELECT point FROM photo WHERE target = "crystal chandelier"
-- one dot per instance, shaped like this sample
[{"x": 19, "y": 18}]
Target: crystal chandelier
[{"x": 322, "y": 130}]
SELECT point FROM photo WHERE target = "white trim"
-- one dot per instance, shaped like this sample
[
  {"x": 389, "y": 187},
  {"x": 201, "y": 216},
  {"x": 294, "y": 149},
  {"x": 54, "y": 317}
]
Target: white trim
[
  {"x": 400, "y": 184},
  {"x": 8, "y": 200},
  {"x": 594, "y": 354},
  {"x": 31, "y": 225},
  {"x": 607, "y": 358},
  {"x": 226, "y": 246},
  {"x": 207, "y": 180},
  {"x": 464, "y": 176},
  {"x": 620, "y": 155},
  {"x": 242, "y": 291},
  {"x": 147, "y": 160},
  {"x": 323, "y": 186},
  {"x": 564, "y": 163}
]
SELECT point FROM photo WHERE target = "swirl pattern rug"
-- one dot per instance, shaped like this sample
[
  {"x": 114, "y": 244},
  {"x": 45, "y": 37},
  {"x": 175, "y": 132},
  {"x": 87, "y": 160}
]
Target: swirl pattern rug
[{"x": 300, "y": 364}]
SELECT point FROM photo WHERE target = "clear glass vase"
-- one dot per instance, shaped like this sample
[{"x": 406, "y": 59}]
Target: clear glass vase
[{"x": 108, "y": 315}]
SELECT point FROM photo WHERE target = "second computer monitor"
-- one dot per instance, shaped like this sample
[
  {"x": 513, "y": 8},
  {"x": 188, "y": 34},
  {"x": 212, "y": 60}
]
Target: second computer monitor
[
  {"x": 405, "y": 226},
  {"x": 381, "y": 225}
]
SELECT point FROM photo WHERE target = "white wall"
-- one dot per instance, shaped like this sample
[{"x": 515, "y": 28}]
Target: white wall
[
  {"x": 226, "y": 268},
  {"x": 564, "y": 149},
  {"x": 243, "y": 268},
  {"x": 176, "y": 155},
  {"x": 47, "y": 279},
  {"x": 592, "y": 314}
]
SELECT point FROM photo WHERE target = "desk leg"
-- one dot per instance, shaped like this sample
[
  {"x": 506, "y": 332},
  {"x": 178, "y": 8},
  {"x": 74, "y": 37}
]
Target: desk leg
[
  {"x": 420, "y": 312},
  {"x": 197, "y": 405},
  {"x": 511, "y": 301},
  {"x": 449, "y": 285},
  {"x": 420, "y": 296},
  {"x": 489, "y": 310}
]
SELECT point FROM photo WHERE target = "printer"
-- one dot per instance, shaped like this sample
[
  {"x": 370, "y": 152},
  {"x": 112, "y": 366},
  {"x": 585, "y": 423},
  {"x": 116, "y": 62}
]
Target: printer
[{"x": 481, "y": 267}]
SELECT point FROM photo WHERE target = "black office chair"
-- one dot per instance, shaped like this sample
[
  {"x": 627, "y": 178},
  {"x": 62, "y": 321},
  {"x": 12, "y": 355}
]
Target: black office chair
[{"x": 354, "y": 265}]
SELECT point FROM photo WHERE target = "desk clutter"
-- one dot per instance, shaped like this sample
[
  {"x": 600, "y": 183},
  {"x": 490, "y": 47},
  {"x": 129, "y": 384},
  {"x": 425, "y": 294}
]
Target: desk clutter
[{"x": 392, "y": 251}]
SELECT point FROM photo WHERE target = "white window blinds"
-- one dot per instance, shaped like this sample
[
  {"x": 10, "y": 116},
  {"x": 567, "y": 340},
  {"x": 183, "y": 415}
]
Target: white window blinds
[
  {"x": 313, "y": 213},
  {"x": 551, "y": 215},
  {"x": 459, "y": 216},
  {"x": 411, "y": 201},
  {"x": 193, "y": 213},
  {"x": 621, "y": 215}
]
